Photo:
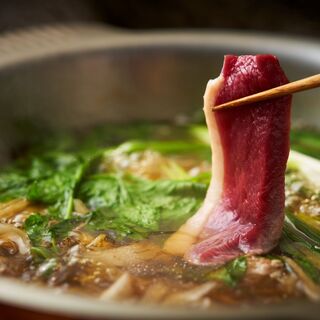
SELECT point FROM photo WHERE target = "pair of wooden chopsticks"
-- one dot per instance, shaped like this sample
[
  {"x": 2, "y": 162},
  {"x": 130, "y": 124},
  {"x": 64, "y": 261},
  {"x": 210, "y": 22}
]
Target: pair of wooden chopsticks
[{"x": 296, "y": 86}]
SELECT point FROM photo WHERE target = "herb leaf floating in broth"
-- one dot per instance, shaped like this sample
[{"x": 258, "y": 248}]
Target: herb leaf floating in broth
[
  {"x": 135, "y": 207},
  {"x": 120, "y": 204},
  {"x": 42, "y": 231},
  {"x": 231, "y": 273},
  {"x": 37, "y": 228},
  {"x": 51, "y": 179}
]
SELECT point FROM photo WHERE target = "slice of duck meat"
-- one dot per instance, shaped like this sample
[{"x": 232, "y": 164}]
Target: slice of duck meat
[{"x": 243, "y": 211}]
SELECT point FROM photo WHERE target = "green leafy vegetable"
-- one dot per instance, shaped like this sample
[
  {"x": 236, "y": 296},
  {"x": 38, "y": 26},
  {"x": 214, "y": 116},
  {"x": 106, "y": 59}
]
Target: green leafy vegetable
[
  {"x": 47, "y": 267},
  {"x": 55, "y": 180},
  {"x": 42, "y": 253},
  {"x": 231, "y": 273},
  {"x": 57, "y": 190},
  {"x": 125, "y": 206},
  {"x": 303, "y": 250},
  {"x": 307, "y": 224},
  {"x": 306, "y": 141},
  {"x": 134, "y": 206},
  {"x": 42, "y": 231},
  {"x": 51, "y": 179},
  {"x": 13, "y": 185},
  {"x": 165, "y": 147},
  {"x": 37, "y": 228},
  {"x": 60, "y": 230}
]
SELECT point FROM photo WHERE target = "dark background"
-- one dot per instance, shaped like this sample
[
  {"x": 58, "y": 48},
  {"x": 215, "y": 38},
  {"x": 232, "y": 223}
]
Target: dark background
[{"x": 300, "y": 17}]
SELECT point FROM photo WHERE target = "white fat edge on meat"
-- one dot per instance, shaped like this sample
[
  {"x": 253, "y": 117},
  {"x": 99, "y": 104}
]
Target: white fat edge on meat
[{"x": 187, "y": 234}]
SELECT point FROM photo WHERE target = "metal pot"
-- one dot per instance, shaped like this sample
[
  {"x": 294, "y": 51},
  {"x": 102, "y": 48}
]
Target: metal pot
[{"x": 80, "y": 76}]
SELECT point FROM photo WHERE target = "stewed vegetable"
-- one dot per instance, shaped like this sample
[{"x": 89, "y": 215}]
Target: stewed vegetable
[{"x": 91, "y": 218}]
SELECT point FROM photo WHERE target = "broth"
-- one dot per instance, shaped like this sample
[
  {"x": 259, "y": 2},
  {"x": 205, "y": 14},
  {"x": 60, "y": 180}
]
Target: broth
[{"x": 90, "y": 218}]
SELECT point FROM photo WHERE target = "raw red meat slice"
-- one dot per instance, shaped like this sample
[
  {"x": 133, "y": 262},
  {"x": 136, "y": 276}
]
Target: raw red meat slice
[{"x": 243, "y": 211}]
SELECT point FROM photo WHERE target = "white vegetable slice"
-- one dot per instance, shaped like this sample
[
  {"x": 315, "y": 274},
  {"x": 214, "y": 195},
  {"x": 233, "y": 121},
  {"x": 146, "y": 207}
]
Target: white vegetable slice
[
  {"x": 121, "y": 289},
  {"x": 310, "y": 167}
]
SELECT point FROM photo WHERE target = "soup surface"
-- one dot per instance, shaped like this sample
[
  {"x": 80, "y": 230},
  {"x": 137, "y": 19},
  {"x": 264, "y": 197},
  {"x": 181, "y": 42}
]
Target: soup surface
[{"x": 89, "y": 212}]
